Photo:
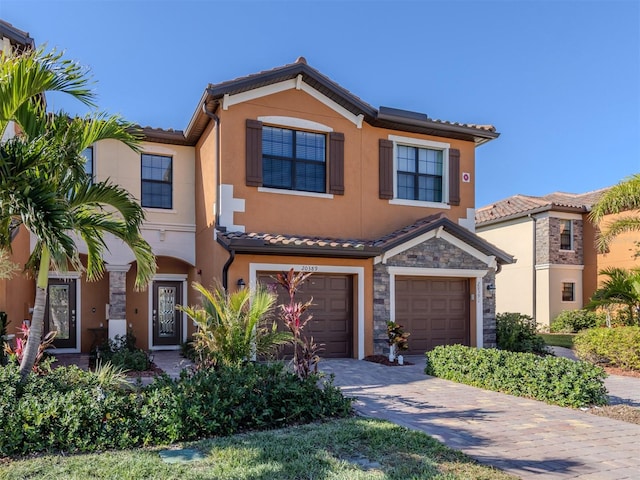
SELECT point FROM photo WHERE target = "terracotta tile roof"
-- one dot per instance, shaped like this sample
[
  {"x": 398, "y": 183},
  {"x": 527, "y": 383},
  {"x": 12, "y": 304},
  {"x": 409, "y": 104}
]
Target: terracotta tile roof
[
  {"x": 522, "y": 205},
  {"x": 333, "y": 247}
]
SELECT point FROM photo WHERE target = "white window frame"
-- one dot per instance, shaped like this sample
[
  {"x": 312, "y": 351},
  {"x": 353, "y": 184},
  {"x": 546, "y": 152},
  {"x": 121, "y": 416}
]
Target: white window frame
[{"x": 421, "y": 143}]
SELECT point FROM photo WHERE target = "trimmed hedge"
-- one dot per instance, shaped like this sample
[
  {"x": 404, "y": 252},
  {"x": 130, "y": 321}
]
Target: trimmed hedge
[
  {"x": 616, "y": 347},
  {"x": 516, "y": 332},
  {"x": 553, "y": 380},
  {"x": 574, "y": 321},
  {"x": 69, "y": 410}
]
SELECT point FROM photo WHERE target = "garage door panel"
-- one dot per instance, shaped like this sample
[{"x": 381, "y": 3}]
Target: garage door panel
[
  {"x": 332, "y": 311},
  {"x": 435, "y": 311}
]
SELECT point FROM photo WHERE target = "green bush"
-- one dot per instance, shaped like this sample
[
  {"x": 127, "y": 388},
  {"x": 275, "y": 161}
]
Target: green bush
[
  {"x": 516, "y": 332},
  {"x": 123, "y": 353},
  {"x": 76, "y": 411},
  {"x": 573, "y": 321},
  {"x": 617, "y": 347},
  {"x": 558, "y": 381}
]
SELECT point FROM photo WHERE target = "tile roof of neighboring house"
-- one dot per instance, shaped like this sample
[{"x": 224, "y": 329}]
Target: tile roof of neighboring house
[
  {"x": 16, "y": 36},
  {"x": 385, "y": 117},
  {"x": 267, "y": 243},
  {"x": 522, "y": 205}
]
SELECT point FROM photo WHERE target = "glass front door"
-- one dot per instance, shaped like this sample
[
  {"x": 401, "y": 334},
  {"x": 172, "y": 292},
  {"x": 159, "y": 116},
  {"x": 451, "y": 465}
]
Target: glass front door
[
  {"x": 60, "y": 312},
  {"x": 167, "y": 327}
]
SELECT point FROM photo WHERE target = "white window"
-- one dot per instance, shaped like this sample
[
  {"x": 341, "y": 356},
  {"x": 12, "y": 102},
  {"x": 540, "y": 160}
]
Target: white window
[{"x": 421, "y": 172}]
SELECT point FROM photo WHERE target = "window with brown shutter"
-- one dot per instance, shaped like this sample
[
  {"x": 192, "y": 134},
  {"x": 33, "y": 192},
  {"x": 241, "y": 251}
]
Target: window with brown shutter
[
  {"x": 336, "y": 163},
  {"x": 254, "y": 153},
  {"x": 386, "y": 169},
  {"x": 454, "y": 176}
]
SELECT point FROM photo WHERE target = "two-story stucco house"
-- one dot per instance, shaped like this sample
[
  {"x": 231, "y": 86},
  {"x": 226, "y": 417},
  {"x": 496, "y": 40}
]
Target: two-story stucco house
[
  {"x": 286, "y": 169},
  {"x": 553, "y": 241},
  {"x": 294, "y": 171}
]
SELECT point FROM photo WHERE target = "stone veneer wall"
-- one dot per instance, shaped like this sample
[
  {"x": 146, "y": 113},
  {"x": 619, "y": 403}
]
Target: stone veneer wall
[
  {"x": 434, "y": 253},
  {"x": 548, "y": 243}
]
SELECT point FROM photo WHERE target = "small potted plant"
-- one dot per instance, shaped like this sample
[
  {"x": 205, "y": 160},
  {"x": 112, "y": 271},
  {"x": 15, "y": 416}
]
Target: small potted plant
[{"x": 398, "y": 340}]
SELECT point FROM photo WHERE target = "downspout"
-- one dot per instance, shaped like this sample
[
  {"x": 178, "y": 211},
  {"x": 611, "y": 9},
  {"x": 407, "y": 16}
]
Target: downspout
[
  {"x": 535, "y": 272},
  {"x": 225, "y": 270},
  {"x": 216, "y": 119}
]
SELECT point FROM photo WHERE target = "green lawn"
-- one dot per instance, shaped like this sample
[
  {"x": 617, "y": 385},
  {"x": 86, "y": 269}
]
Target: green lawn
[
  {"x": 558, "y": 339},
  {"x": 328, "y": 450}
]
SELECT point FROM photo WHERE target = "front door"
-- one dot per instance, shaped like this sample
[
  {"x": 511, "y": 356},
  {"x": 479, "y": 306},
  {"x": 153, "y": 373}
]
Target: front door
[
  {"x": 60, "y": 312},
  {"x": 167, "y": 325}
]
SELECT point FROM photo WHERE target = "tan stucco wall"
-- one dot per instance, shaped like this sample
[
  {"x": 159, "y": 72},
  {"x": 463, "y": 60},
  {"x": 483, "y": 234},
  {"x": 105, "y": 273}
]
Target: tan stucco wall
[
  {"x": 18, "y": 293},
  {"x": 514, "y": 283},
  {"x": 552, "y": 305},
  {"x": 122, "y": 165},
  {"x": 359, "y": 213}
]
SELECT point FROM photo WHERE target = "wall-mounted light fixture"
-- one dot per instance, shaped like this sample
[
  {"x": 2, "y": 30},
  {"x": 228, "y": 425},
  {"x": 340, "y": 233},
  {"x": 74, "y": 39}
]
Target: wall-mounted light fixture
[
  {"x": 491, "y": 287},
  {"x": 241, "y": 283}
]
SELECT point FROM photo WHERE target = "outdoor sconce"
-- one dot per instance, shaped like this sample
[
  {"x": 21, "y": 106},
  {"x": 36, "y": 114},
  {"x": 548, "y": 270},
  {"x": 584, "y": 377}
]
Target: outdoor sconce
[
  {"x": 241, "y": 284},
  {"x": 491, "y": 288}
]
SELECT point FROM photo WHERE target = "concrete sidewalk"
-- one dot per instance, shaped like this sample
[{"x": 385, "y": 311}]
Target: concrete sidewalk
[{"x": 526, "y": 438}]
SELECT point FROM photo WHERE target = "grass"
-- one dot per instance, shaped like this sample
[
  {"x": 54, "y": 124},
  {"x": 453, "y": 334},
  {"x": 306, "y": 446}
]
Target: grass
[
  {"x": 328, "y": 450},
  {"x": 558, "y": 339}
]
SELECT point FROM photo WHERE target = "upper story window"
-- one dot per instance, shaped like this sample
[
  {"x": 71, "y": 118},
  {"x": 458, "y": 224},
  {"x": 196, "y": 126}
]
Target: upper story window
[
  {"x": 420, "y": 173},
  {"x": 89, "y": 167},
  {"x": 157, "y": 181},
  {"x": 566, "y": 235},
  {"x": 293, "y": 159}
]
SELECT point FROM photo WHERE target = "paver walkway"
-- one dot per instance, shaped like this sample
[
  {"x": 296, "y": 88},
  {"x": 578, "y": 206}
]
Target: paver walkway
[{"x": 526, "y": 438}]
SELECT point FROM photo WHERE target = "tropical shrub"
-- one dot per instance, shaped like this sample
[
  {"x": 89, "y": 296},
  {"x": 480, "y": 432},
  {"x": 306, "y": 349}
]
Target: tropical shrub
[
  {"x": 295, "y": 317},
  {"x": 122, "y": 352},
  {"x": 234, "y": 328},
  {"x": 616, "y": 347},
  {"x": 516, "y": 332},
  {"x": 573, "y": 321},
  {"x": 553, "y": 380},
  {"x": 76, "y": 411}
]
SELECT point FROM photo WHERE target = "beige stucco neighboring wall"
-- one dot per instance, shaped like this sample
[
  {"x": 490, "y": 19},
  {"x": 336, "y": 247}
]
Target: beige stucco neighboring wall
[
  {"x": 550, "y": 280},
  {"x": 514, "y": 283},
  {"x": 170, "y": 232}
]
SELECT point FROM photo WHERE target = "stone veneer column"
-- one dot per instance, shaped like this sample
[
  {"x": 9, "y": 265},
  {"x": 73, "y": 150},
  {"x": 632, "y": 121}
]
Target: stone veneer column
[{"x": 117, "y": 299}]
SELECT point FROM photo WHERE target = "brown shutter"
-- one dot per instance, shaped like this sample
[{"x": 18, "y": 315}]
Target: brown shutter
[
  {"x": 454, "y": 176},
  {"x": 386, "y": 169},
  {"x": 254, "y": 153},
  {"x": 336, "y": 163}
]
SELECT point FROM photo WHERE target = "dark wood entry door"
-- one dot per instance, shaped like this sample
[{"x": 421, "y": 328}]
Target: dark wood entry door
[
  {"x": 60, "y": 312},
  {"x": 167, "y": 324}
]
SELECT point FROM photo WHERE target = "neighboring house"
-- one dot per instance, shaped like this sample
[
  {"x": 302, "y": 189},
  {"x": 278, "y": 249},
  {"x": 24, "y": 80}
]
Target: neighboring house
[
  {"x": 553, "y": 241},
  {"x": 286, "y": 169}
]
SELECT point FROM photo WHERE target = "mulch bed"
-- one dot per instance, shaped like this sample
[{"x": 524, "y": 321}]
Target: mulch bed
[
  {"x": 384, "y": 360},
  {"x": 153, "y": 371},
  {"x": 621, "y": 372}
]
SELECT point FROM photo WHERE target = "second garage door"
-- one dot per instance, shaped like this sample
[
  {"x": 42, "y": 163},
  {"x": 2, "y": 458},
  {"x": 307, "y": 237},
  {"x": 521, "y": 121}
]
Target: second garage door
[
  {"x": 434, "y": 310},
  {"x": 332, "y": 310}
]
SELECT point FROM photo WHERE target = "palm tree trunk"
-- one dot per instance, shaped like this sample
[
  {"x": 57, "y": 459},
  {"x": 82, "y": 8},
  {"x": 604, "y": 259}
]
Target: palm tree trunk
[{"x": 37, "y": 319}]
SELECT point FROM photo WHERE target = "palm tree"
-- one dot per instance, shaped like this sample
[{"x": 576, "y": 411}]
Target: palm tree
[
  {"x": 621, "y": 288},
  {"x": 43, "y": 185},
  {"x": 234, "y": 327},
  {"x": 621, "y": 198}
]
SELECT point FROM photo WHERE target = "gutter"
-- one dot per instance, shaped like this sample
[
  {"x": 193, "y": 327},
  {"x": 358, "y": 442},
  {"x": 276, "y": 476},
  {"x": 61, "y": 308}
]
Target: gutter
[
  {"x": 216, "y": 119},
  {"x": 535, "y": 272}
]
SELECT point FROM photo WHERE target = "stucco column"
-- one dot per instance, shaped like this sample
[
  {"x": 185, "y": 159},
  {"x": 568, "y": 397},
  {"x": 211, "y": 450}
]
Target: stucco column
[{"x": 117, "y": 316}]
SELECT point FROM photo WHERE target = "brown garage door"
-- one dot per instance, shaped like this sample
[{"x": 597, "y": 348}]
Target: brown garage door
[
  {"x": 332, "y": 310},
  {"x": 434, "y": 310}
]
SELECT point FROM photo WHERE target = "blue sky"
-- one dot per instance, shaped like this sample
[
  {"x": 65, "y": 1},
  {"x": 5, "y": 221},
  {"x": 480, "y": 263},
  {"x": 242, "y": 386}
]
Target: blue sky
[{"x": 560, "y": 80}]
